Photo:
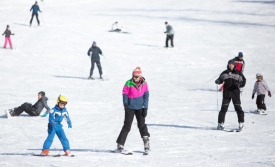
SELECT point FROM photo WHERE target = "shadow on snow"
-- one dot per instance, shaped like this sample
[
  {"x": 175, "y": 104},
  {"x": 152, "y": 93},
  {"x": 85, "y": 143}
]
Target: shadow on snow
[{"x": 71, "y": 77}]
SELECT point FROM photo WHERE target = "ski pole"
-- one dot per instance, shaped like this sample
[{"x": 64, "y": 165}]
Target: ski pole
[
  {"x": 217, "y": 98},
  {"x": 43, "y": 19},
  {"x": 212, "y": 78},
  {"x": 26, "y": 19}
]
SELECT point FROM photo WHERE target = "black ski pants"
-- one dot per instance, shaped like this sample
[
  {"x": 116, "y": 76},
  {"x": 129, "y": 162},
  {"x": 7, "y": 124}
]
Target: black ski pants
[
  {"x": 224, "y": 108},
  {"x": 260, "y": 102},
  {"x": 129, "y": 116},
  {"x": 27, "y": 107},
  {"x": 169, "y": 37},
  {"x": 36, "y": 18},
  {"x": 98, "y": 66}
]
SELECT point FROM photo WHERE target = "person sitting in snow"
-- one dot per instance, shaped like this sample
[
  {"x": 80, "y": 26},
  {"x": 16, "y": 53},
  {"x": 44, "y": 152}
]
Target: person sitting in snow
[
  {"x": 260, "y": 87},
  {"x": 32, "y": 110},
  {"x": 115, "y": 27}
]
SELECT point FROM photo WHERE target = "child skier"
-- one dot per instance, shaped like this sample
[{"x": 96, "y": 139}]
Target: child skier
[
  {"x": 55, "y": 127},
  {"x": 135, "y": 100},
  {"x": 260, "y": 87},
  {"x": 7, "y": 34}
]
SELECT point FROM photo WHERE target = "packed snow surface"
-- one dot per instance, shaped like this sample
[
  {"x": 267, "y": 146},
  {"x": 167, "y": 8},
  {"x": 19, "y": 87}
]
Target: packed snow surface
[{"x": 183, "y": 111}]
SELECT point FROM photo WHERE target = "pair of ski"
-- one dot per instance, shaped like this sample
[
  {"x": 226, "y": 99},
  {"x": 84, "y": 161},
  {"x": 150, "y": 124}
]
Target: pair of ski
[
  {"x": 125, "y": 152},
  {"x": 99, "y": 78},
  {"x": 56, "y": 155}
]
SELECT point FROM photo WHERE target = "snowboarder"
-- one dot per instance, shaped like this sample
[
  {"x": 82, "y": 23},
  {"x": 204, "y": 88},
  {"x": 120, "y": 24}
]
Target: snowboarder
[
  {"x": 135, "y": 100},
  {"x": 35, "y": 9},
  {"x": 239, "y": 61},
  {"x": 55, "y": 127},
  {"x": 7, "y": 34},
  {"x": 170, "y": 35},
  {"x": 233, "y": 81},
  {"x": 32, "y": 110},
  {"x": 115, "y": 27},
  {"x": 95, "y": 51},
  {"x": 260, "y": 87}
]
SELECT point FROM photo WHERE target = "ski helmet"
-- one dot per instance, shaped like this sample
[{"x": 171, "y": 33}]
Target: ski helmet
[
  {"x": 259, "y": 75},
  {"x": 62, "y": 99}
]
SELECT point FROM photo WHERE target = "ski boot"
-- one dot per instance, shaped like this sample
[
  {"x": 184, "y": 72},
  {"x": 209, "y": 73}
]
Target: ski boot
[
  {"x": 90, "y": 77},
  {"x": 120, "y": 148},
  {"x": 241, "y": 126},
  {"x": 10, "y": 112},
  {"x": 220, "y": 126},
  {"x": 45, "y": 152},
  {"x": 67, "y": 153},
  {"x": 100, "y": 77},
  {"x": 146, "y": 144}
]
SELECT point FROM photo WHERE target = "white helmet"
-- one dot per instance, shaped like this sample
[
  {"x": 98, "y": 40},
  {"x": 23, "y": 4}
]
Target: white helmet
[{"x": 259, "y": 75}]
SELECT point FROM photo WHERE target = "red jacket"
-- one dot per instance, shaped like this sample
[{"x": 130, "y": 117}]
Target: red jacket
[{"x": 239, "y": 64}]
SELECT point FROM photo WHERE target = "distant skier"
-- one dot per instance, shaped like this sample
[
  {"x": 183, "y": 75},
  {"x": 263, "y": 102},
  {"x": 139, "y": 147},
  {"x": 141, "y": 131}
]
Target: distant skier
[
  {"x": 57, "y": 114},
  {"x": 32, "y": 110},
  {"x": 115, "y": 27},
  {"x": 170, "y": 35},
  {"x": 7, "y": 34},
  {"x": 239, "y": 61},
  {"x": 94, "y": 51},
  {"x": 260, "y": 87},
  {"x": 233, "y": 81},
  {"x": 135, "y": 100},
  {"x": 35, "y": 9}
]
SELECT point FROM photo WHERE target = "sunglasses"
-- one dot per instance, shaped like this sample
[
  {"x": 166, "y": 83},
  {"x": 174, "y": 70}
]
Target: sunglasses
[{"x": 135, "y": 76}]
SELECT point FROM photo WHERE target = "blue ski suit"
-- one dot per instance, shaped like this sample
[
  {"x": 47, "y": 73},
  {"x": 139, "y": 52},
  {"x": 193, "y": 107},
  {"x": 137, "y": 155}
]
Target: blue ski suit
[{"x": 55, "y": 127}]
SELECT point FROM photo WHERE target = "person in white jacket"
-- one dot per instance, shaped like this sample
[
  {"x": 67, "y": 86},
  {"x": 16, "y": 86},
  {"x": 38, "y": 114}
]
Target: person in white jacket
[
  {"x": 115, "y": 27},
  {"x": 260, "y": 87}
]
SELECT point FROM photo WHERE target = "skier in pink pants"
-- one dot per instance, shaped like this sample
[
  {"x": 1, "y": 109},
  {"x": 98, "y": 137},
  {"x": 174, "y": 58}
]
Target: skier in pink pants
[{"x": 7, "y": 34}]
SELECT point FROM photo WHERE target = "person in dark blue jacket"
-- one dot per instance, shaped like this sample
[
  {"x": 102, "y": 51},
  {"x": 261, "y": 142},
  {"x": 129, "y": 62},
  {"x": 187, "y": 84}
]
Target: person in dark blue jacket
[
  {"x": 35, "y": 9},
  {"x": 57, "y": 114},
  {"x": 94, "y": 52}
]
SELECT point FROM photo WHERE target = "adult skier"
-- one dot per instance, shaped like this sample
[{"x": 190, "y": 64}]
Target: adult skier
[
  {"x": 7, "y": 34},
  {"x": 115, "y": 27},
  {"x": 94, "y": 52},
  {"x": 239, "y": 62},
  {"x": 135, "y": 95},
  {"x": 32, "y": 110},
  {"x": 35, "y": 8},
  {"x": 260, "y": 87},
  {"x": 233, "y": 81},
  {"x": 170, "y": 35},
  {"x": 57, "y": 114}
]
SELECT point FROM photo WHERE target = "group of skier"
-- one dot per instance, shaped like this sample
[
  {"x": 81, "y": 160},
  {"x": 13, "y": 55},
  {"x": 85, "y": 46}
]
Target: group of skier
[
  {"x": 233, "y": 81},
  {"x": 35, "y": 9}
]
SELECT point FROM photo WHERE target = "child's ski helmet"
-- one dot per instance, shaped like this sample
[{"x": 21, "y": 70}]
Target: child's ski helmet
[
  {"x": 259, "y": 75},
  {"x": 61, "y": 99}
]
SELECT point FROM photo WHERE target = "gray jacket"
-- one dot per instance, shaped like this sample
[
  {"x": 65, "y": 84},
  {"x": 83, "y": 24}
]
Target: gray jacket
[
  {"x": 95, "y": 51},
  {"x": 40, "y": 104},
  {"x": 260, "y": 87},
  {"x": 169, "y": 30}
]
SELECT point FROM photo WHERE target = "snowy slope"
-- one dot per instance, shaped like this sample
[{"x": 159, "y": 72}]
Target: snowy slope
[{"x": 182, "y": 114}]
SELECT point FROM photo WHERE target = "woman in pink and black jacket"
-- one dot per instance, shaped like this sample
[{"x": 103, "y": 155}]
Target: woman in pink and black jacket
[{"x": 135, "y": 100}]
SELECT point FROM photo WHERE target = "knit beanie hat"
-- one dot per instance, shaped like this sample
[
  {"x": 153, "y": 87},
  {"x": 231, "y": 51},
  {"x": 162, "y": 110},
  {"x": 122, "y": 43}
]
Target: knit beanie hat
[
  {"x": 240, "y": 54},
  {"x": 231, "y": 62},
  {"x": 42, "y": 93},
  {"x": 137, "y": 72}
]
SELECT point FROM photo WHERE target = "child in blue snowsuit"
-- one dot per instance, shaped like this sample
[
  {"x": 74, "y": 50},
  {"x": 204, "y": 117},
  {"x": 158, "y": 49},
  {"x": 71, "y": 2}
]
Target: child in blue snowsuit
[{"x": 55, "y": 127}]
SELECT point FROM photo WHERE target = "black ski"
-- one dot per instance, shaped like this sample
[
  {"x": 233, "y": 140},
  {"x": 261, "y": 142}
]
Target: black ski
[{"x": 39, "y": 155}]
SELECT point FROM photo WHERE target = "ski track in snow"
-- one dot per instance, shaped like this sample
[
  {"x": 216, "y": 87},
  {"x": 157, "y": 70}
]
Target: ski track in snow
[{"x": 183, "y": 109}]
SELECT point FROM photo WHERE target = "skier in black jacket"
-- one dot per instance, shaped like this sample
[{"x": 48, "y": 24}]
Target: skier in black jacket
[
  {"x": 32, "y": 110},
  {"x": 233, "y": 81},
  {"x": 95, "y": 51}
]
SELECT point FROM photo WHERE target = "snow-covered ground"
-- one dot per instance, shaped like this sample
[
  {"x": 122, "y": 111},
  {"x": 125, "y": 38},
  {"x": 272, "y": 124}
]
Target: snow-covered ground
[{"x": 182, "y": 115}]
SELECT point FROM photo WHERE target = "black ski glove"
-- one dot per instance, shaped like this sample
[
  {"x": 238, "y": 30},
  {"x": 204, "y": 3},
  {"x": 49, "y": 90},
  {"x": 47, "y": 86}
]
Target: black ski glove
[
  {"x": 164, "y": 32},
  {"x": 253, "y": 95},
  {"x": 238, "y": 84},
  {"x": 269, "y": 93},
  {"x": 218, "y": 81},
  {"x": 144, "y": 112},
  {"x": 125, "y": 107}
]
